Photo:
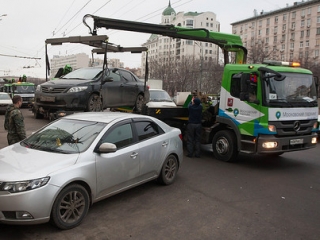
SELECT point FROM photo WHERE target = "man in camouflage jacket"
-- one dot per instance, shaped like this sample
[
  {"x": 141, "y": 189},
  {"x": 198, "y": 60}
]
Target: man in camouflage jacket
[{"x": 14, "y": 121}]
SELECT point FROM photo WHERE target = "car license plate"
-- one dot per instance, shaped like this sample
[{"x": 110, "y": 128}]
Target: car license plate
[
  {"x": 296, "y": 141},
  {"x": 47, "y": 99}
]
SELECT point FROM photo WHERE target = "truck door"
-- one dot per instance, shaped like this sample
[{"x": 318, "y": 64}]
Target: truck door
[{"x": 243, "y": 107}]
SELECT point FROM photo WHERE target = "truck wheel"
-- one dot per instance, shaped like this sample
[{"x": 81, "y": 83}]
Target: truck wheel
[
  {"x": 94, "y": 103},
  {"x": 224, "y": 146},
  {"x": 139, "y": 103},
  {"x": 37, "y": 115}
]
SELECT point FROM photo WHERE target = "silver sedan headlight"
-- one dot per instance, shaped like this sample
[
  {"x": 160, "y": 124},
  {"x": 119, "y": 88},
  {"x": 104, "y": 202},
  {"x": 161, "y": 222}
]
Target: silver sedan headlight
[
  {"x": 77, "y": 89},
  {"x": 21, "y": 186}
]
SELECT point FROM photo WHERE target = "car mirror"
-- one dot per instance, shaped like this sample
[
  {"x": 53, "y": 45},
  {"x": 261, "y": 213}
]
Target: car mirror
[
  {"x": 107, "y": 148},
  {"x": 107, "y": 79}
]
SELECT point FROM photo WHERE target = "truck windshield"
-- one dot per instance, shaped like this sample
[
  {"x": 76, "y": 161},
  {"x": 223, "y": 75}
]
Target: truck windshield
[
  {"x": 296, "y": 90},
  {"x": 24, "y": 89}
]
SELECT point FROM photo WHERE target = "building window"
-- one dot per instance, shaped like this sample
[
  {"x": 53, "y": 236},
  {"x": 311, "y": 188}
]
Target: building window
[
  {"x": 283, "y": 46},
  {"x": 267, "y": 40},
  {"x": 189, "y": 23},
  {"x": 307, "y": 43},
  {"x": 284, "y": 17},
  {"x": 260, "y": 23},
  {"x": 293, "y": 25},
  {"x": 292, "y": 45},
  {"x": 317, "y": 42},
  {"x": 319, "y": 8},
  {"x": 275, "y": 29},
  {"x": 284, "y": 27},
  {"x": 309, "y": 10},
  {"x": 308, "y": 33},
  {"x": 318, "y": 19},
  {"x": 302, "y": 13},
  {"x": 308, "y": 22},
  {"x": 292, "y": 36},
  {"x": 318, "y": 31},
  {"x": 275, "y": 39},
  {"x": 301, "y": 34},
  {"x": 301, "y": 45},
  {"x": 267, "y": 31},
  {"x": 276, "y": 19},
  {"x": 283, "y": 37},
  {"x": 291, "y": 56},
  {"x": 302, "y": 23},
  {"x": 300, "y": 55},
  {"x": 293, "y": 15},
  {"x": 316, "y": 53},
  {"x": 268, "y": 21}
]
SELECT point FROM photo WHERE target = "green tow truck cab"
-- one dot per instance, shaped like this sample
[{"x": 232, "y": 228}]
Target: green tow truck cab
[
  {"x": 24, "y": 89},
  {"x": 269, "y": 108}
]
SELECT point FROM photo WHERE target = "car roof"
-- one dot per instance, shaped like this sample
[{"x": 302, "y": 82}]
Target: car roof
[{"x": 104, "y": 117}]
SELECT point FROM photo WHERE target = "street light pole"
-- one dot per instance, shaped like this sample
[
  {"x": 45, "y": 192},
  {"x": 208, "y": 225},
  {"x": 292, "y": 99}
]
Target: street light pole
[{"x": 201, "y": 63}]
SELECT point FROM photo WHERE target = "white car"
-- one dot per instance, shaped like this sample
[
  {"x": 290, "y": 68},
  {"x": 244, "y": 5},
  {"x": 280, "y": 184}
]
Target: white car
[
  {"x": 5, "y": 100},
  {"x": 77, "y": 160},
  {"x": 160, "y": 98}
]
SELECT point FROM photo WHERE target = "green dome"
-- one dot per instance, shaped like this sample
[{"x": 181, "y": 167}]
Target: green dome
[{"x": 168, "y": 11}]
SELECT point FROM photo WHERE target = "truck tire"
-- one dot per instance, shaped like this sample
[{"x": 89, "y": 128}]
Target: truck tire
[
  {"x": 94, "y": 103},
  {"x": 224, "y": 146},
  {"x": 139, "y": 103},
  {"x": 37, "y": 115}
]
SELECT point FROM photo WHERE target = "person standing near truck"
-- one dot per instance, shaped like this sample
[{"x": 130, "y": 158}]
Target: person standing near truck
[
  {"x": 194, "y": 128},
  {"x": 14, "y": 121}
]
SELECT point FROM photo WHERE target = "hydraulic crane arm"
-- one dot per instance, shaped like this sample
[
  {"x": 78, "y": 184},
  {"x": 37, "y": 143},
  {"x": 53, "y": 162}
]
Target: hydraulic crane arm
[{"x": 227, "y": 42}]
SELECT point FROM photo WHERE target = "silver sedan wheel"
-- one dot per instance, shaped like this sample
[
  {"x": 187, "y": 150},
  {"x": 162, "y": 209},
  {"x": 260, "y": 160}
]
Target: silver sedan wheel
[
  {"x": 70, "y": 207},
  {"x": 169, "y": 170}
]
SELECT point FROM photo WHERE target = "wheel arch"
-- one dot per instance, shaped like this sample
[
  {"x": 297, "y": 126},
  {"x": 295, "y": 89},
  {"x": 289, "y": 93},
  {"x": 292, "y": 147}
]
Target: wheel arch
[{"x": 226, "y": 124}]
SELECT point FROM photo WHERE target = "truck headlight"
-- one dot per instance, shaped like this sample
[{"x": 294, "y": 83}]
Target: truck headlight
[
  {"x": 38, "y": 88},
  {"x": 77, "y": 89},
  {"x": 21, "y": 186}
]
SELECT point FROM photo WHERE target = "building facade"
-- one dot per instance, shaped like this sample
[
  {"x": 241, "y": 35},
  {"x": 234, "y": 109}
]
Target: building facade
[
  {"x": 288, "y": 34},
  {"x": 167, "y": 49},
  {"x": 79, "y": 60}
]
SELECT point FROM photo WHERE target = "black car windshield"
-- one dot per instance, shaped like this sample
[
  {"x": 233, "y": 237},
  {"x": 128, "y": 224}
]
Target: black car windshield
[
  {"x": 65, "y": 136},
  {"x": 84, "y": 73},
  {"x": 159, "y": 96},
  {"x": 296, "y": 89}
]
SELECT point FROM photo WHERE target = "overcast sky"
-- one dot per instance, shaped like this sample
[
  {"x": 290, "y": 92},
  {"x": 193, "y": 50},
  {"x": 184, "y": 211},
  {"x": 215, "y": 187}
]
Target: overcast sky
[{"x": 30, "y": 22}]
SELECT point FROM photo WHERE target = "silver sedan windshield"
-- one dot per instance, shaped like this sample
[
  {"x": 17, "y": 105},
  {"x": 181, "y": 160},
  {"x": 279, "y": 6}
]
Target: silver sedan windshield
[{"x": 65, "y": 136}]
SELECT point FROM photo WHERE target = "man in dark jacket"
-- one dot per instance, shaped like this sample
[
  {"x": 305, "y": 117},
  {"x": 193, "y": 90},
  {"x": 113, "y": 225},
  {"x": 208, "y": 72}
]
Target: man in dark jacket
[
  {"x": 194, "y": 127},
  {"x": 14, "y": 121}
]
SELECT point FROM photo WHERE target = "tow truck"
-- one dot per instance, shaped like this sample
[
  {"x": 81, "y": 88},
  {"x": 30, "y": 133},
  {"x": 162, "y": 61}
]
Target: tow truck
[{"x": 268, "y": 108}]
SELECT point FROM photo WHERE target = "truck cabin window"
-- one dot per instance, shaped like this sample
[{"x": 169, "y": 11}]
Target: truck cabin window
[{"x": 296, "y": 89}]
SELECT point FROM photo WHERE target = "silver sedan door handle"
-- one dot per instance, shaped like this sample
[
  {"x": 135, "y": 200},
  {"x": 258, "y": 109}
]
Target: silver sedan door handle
[
  {"x": 164, "y": 144},
  {"x": 134, "y": 155}
]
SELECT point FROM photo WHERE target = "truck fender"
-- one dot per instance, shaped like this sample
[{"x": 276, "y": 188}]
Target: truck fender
[{"x": 226, "y": 123}]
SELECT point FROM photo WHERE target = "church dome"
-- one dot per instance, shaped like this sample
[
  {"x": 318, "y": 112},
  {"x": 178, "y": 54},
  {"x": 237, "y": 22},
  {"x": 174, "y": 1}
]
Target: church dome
[{"x": 168, "y": 11}]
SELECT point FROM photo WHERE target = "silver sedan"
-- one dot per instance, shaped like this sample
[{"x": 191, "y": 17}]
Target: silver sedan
[{"x": 71, "y": 163}]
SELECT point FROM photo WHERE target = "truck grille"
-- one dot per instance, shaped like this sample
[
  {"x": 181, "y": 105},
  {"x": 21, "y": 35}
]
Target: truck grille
[
  {"x": 294, "y": 127},
  {"x": 52, "y": 90}
]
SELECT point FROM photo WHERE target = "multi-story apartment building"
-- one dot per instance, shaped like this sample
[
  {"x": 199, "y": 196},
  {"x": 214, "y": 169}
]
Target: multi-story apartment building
[
  {"x": 76, "y": 61},
  {"x": 79, "y": 60},
  {"x": 167, "y": 49},
  {"x": 291, "y": 33}
]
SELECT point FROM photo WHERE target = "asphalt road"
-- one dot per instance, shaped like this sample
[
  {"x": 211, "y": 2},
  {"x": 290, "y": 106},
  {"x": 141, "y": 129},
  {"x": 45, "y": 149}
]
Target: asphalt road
[{"x": 256, "y": 198}]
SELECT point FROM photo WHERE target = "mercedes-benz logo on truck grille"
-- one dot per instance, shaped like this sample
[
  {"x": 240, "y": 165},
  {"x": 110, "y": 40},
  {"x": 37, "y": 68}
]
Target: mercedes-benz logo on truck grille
[{"x": 296, "y": 126}]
